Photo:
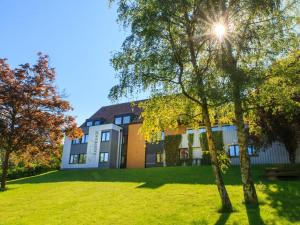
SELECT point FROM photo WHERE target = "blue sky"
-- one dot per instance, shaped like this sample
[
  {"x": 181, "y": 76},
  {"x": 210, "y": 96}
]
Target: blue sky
[{"x": 80, "y": 38}]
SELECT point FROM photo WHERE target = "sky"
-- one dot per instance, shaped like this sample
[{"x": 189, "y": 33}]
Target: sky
[{"x": 80, "y": 38}]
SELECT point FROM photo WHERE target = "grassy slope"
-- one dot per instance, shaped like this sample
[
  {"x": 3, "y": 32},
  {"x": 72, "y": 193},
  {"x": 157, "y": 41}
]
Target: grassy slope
[{"x": 182, "y": 195}]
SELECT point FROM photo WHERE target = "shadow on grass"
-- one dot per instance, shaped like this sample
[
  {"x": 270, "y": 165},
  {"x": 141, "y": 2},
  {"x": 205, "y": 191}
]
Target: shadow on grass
[
  {"x": 222, "y": 219},
  {"x": 284, "y": 196},
  {"x": 253, "y": 213}
]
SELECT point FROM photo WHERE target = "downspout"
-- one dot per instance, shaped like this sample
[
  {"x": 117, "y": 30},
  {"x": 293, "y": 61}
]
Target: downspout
[{"x": 119, "y": 149}]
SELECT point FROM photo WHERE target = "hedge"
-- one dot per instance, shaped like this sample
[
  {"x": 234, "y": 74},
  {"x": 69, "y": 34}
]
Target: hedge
[
  {"x": 20, "y": 172},
  {"x": 218, "y": 138},
  {"x": 171, "y": 145}
]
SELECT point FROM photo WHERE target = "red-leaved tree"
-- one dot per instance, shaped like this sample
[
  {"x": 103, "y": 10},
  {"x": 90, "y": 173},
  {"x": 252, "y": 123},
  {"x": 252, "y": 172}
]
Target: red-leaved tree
[{"x": 32, "y": 112}]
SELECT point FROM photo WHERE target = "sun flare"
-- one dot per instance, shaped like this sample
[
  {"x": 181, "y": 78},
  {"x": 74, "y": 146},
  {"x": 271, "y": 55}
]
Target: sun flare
[{"x": 219, "y": 30}]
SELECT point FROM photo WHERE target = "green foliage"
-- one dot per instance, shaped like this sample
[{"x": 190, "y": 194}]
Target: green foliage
[
  {"x": 221, "y": 154},
  {"x": 275, "y": 104},
  {"x": 167, "y": 112},
  {"x": 190, "y": 144},
  {"x": 171, "y": 146},
  {"x": 203, "y": 141},
  {"x": 20, "y": 172},
  {"x": 218, "y": 138}
]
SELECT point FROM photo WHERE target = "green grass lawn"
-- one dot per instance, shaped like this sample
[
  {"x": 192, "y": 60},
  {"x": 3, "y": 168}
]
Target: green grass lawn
[{"x": 182, "y": 195}]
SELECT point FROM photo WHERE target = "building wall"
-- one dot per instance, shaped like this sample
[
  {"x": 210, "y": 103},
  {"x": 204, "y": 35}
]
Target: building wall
[
  {"x": 93, "y": 148},
  {"x": 114, "y": 153},
  {"x": 151, "y": 150},
  {"x": 273, "y": 154},
  {"x": 135, "y": 147}
]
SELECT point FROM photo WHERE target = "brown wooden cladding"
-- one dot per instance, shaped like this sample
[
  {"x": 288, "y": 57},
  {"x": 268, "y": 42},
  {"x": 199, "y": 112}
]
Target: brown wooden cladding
[{"x": 136, "y": 147}]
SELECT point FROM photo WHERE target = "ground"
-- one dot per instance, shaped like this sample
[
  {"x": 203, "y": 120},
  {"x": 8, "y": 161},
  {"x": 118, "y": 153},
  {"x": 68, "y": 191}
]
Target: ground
[{"x": 175, "y": 195}]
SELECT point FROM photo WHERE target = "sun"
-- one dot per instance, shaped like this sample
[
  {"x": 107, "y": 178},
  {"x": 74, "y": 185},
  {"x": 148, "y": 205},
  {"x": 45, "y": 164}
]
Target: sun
[{"x": 219, "y": 30}]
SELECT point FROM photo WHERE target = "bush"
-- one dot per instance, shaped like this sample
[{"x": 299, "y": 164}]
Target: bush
[
  {"x": 20, "y": 172},
  {"x": 171, "y": 145},
  {"x": 218, "y": 138}
]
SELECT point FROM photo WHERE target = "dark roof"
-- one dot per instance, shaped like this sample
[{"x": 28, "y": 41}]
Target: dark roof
[{"x": 108, "y": 113}]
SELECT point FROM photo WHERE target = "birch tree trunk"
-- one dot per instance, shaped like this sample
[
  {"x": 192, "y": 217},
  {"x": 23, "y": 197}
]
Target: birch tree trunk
[{"x": 226, "y": 203}]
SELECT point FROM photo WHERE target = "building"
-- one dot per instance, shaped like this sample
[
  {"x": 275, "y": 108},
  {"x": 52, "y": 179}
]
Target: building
[{"x": 112, "y": 140}]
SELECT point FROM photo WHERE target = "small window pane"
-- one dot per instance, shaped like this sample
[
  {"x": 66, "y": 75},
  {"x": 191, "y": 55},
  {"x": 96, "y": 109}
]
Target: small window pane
[
  {"x": 85, "y": 139},
  {"x": 251, "y": 150},
  {"x": 232, "y": 151},
  {"x": 162, "y": 135},
  {"x": 190, "y": 131},
  {"x": 97, "y": 122},
  {"x": 228, "y": 128},
  {"x": 216, "y": 128},
  {"x": 104, "y": 157},
  {"x": 236, "y": 150},
  {"x": 71, "y": 159},
  {"x": 89, "y": 123},
  {"x": 101, "y": 157},
  {"x": 126, "y": 119},
  {"x": 82, "y": 158},
  {"x": 105, "y": 136},
  {"x": 118, "y": 120},
  {"x": 202, "y": 130}
]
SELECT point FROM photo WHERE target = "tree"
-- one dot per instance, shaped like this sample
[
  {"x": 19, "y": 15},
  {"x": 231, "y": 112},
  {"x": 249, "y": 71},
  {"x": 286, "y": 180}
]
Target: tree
[
  {"x": 168, "y": 53},
  {"x": 275, "y": 105},
  {"x": 32, "y": 111},
  {"x": 256, "y": 32}
]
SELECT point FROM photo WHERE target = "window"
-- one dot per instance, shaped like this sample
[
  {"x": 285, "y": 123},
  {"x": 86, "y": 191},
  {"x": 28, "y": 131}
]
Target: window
[
  {"x": 73, "y": 159},
  {"x": 162, "y": 135},
  {"x": 81, "y": 158},
  {"x": 103, "y": 157},
  {"x": 233, "y": 151},
  {"x": 97, "y": 122},
  {"x": 126, "y": 119},
  {"x": 202, "y": 130},
  {"x": 122, "y": 119},
  {"x": 118, "y": 120},
  {"x": 76, "y": 141},
  {"x": 184, "y": 153},
  {"x": 77, "y": 159},
  {"x": 89, "y": 123},
  {"x": 85, "y": 139},
  {"x": 158, "y": 157},
  {"x": 105, "y": 136},
  {"x": 216, "y": 129},
  {"x": 190, "y": 131},
  {"x": 229, "y": 128},
  {"x": 251, "y": 150}
]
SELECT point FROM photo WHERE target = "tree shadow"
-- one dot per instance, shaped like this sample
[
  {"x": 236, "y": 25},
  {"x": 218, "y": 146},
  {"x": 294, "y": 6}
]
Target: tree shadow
[
  {"x": 253, "y": 214},
  {"x": 223, "y": 219},
  {"x": 285, "y": 198}
]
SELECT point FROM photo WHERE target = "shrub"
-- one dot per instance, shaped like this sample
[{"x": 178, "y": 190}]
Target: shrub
[
  {"x": 20, "y": 172},
  {"x": 171, "y": 145}
]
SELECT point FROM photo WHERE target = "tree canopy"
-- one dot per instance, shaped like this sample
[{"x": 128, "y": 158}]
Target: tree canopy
[{"x": 32, "y": 112}]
